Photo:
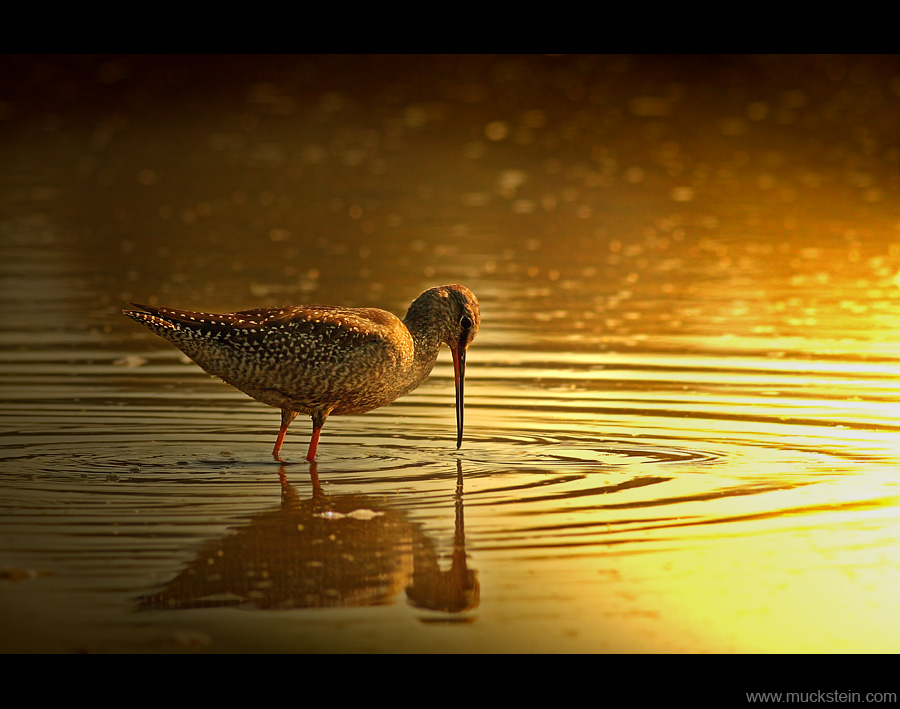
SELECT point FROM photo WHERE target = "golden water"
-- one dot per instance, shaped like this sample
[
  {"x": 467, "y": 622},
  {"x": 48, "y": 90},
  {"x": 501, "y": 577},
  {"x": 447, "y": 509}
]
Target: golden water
[{"x": 682, "y": 419}]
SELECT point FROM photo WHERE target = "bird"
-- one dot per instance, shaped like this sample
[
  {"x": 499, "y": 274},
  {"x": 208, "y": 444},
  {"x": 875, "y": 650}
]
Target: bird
[{"x": 325, "y": 360}]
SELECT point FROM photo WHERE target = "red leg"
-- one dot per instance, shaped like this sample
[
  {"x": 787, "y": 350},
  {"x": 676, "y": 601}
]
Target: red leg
[
  {"x": 313, "y": 443},
  {"x": 318, "y": 420},
  {"x": 286, "y": 418}
]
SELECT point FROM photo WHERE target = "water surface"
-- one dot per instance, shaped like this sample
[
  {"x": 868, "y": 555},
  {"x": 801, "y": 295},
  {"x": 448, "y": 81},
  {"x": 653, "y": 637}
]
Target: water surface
[{"x": 681, "y": 421}]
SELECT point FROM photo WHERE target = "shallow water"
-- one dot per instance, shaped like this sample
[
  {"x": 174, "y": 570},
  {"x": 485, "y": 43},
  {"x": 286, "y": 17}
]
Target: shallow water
[{"x": 681, "y": 410}]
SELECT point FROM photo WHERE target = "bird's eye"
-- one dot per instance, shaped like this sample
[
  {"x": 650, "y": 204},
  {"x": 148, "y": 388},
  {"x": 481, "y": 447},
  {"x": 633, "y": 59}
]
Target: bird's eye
[{"x": 465, "y": 322}]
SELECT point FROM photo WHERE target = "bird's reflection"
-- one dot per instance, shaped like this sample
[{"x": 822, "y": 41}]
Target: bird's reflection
[
  {"x": 322, "y": 552},
  {"x": 455, "y": 590}
]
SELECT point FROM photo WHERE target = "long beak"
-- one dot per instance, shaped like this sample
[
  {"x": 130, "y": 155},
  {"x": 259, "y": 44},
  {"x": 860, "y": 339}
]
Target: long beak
[{"x": 459, "y": 375}]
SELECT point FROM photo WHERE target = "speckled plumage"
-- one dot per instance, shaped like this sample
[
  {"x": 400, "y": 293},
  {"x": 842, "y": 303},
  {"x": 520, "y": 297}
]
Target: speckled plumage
[{"x": 324, "y": 360}]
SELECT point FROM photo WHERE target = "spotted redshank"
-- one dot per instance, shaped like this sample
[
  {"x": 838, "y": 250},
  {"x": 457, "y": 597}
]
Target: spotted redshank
[{"x": 324, "y": 360}]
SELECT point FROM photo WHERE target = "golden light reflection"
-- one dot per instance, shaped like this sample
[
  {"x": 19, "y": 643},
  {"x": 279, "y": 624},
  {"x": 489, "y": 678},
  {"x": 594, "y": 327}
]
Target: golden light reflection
[
  {"x": 683, "y": 416},
  {"x": 659, "y": 565},
  {"x": 782, "y": 585}
]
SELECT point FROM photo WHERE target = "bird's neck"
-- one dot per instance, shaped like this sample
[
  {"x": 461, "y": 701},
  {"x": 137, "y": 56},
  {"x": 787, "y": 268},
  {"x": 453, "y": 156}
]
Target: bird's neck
[
  {"x": 428, "y": 327},
  {"x": 427, "y": 341}
]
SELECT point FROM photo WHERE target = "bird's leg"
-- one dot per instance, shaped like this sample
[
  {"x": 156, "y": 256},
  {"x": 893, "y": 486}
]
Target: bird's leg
[
  {"x": 318, "y": 420},
  {"x": 286, "y": 418},
  {"x": 313, "y": 443}
]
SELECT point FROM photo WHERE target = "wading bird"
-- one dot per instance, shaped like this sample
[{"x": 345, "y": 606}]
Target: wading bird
[{"x": 324, "y": 360}]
